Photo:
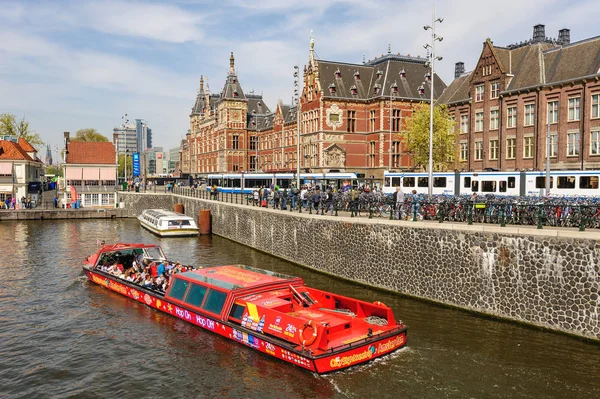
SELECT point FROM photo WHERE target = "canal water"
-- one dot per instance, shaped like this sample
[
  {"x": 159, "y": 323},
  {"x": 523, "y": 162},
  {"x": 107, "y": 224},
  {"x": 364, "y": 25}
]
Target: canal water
[{"x": 63, "y": 337}]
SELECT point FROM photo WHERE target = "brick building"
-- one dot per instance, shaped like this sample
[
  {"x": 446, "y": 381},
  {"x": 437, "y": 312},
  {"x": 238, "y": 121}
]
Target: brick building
[
  {"x": 504, "y": 106},
  {"x": 349, "y": 121}
]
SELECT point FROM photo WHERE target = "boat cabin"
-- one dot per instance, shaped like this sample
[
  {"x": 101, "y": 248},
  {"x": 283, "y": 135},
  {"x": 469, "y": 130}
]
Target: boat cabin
[{"x": 280, "y": 306}]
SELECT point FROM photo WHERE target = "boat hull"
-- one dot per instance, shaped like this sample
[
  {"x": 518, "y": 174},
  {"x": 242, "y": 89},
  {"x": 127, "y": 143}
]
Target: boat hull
[{"x": 351, "y": 355}]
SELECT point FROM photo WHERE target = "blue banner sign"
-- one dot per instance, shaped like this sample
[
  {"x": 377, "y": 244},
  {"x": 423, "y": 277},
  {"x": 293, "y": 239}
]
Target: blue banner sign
[{"x": 136, "y": 163}]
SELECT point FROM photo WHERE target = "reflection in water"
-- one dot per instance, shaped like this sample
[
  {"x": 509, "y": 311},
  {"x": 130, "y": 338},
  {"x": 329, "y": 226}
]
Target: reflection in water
[{"x": 62, "y": 336}]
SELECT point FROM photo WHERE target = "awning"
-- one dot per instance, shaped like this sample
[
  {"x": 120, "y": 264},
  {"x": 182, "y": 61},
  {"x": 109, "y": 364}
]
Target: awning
[
  {"x": 6, "y": 188},
  {"x": 90, "y": 173},
  {"x": 6, "y": 168},
  {"x": 108, "y": 173},
  {"x": 72, "y": 173}
]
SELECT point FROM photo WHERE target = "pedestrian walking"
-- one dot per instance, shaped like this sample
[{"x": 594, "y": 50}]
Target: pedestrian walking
[{"x": 398, "y": 202}]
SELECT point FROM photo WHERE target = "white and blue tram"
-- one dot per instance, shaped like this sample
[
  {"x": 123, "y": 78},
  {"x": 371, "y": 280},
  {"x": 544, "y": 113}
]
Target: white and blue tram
[
  {"x": 232, "y": 182},
  {"x": 520, "y": 183}
]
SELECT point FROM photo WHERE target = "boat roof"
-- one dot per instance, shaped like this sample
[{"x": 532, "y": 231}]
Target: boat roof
[
  {"x": 163, "y": 213},
  {"x": 234, "y": 277}
]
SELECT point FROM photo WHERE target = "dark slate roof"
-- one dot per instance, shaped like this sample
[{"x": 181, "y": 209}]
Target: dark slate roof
[
  {"x": 572, "y": 61},
  {"x": 377, "y": 77},
  {"x": 256, "y": 104},
  {"x": 290, "y": 114},
  {"x": 527, "y": 66},
  {"x": 458, "y": 90},
  {"x": 231, "y": 88}
]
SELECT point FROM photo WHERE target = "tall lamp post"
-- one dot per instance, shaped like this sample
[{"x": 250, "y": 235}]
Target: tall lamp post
[
  {"x": 393, "y": 91},
  {"x": 297, "y": 102},
  {"x": 431, "y": 62}
]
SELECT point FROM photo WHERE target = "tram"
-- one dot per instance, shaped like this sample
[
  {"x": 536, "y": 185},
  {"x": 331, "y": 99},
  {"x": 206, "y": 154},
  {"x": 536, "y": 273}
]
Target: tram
[
  {"x": 520, "y": 183},
  {"x": 232, "y": 182}
]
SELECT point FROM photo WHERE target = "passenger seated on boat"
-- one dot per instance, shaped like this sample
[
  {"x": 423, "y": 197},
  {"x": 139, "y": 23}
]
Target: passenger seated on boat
[{"x": 147, "y": 282}]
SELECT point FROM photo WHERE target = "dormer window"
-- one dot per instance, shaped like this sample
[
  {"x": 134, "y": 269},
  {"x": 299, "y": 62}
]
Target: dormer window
[
  {"x": 394, "y": 88},
  {"x": 402, "y": 73},
  {"x": 376, "y": 88},
  {"x": 332, "y": 88},
  {"x": 354, "y": 90},
  {"x": 428, "y": 77},
  {"x": 379, "y": 74},
  {"x": 235, "y": 93},
  {"x": 233, "y": 80},
  {"x": 357, "y": 75},
  {"x": 338, "y": 74},
  {"x": 421, "y": 89}
]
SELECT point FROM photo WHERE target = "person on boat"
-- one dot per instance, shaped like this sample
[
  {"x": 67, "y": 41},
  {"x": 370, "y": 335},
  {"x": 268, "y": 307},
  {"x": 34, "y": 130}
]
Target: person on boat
[
  {"x": 160, "y": 269},
  {"x": 147, "y": 282},
  {"x": 153, "y": 269}
]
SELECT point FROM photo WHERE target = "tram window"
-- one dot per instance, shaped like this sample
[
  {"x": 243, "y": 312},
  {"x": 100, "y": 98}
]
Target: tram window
[
  {"x": 395, "y": 182},
  {"x": 540, "y": 182},
  {"x": 195, "y": 295},
  {"x": 408, "y": 182},
  {"x": 439, "y": 182},
  {"x": 502, "y": 186},
  {"x": 467, "y": 183},
  {"x": 214, "y": 301},
  {"x": 235, "y": 182},
  {"x": 588, "y": 182},
  {"x": 512, "y": 182},
  {"x": 388, "y": 182},
  {"x": 178, "y": 289},
  {"x": 474, "y": 186},
  {"x": 423, "y": 182},
  {"x": 237, "y": 311},
  {"x": 565, "y": 182},
  {"x": 488, "y": 186}
]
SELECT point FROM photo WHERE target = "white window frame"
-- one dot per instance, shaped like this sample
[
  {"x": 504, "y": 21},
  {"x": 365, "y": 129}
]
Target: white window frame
[
  {"x": 479, "y": 121},
  {"x": 511, "y": 117},
  {"x": 574, "y": 108},
  {"x": 493, "y": 149},
  {"x": 479, "y": 92},
  {"x": 573, "y": 143},
  {"x": 511, "y": 148},
  {"x": 529, "y": 118},
  {"x": 464, "y": 123},
  {"x": 595, "y": 142},
  {"x": 553, "y": 144},
  {"x": 552, "y": 112},
  {"x": 595, "y": 102},
  {"x": 464, "y": 151},
  {"x": 494, "y": 119},
  {"x": 494, "y": 90},
  {"x": 478, "y": 150},
  {"x": 528, "y": 145}
]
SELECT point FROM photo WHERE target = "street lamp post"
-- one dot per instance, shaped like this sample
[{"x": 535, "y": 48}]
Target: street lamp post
[
  {"x": 431, "y": 61},
  {"x": 298, "y": 113}
]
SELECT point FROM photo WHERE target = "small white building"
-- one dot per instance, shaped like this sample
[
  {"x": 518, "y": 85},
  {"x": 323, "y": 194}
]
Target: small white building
[
  {"x": 90, "y": 172},
  {"x": 20, "y": 170}
]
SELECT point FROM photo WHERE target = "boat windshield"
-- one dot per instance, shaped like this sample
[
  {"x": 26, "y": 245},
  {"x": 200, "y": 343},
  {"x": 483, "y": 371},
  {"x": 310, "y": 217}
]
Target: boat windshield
[
  {"x": 175, "y": 223},
  {"x": 154, "y": 253}
]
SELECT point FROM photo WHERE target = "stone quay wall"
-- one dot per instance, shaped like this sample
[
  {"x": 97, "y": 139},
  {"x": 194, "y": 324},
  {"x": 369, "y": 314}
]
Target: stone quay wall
[{"x": 548, "y": 278}]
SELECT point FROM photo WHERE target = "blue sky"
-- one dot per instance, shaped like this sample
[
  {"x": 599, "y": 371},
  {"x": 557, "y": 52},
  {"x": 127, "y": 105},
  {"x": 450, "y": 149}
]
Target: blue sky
[{"x": 69, "y": 64}]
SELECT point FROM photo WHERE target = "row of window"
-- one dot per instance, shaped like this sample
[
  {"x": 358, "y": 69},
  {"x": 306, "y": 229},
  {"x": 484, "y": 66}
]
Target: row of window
[
  {"x": 91, "y": 182},
  {"x": 198, "y": 296},
  {"x": 574, "y": 114},
  {"x": 573, "y": 146}
]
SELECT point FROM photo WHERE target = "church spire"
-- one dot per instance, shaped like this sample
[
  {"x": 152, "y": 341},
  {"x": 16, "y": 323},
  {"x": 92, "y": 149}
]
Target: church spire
[
  {"x": 201, "y": 83},
  {"x": 231, "y": 64},
  {"x": 312, "y": 47}
]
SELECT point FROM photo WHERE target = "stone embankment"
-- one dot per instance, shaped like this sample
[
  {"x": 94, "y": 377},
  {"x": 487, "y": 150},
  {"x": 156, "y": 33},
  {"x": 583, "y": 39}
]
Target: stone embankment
[
  {"x": 548, "y": 278},
  {"x": 51, "y": 214}
]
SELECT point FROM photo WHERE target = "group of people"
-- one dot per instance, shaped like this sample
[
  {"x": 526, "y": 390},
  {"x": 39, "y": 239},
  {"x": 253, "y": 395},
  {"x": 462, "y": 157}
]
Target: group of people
[
  {"x": 12, "y": 203},
  {"x": 151, "y": 275}
]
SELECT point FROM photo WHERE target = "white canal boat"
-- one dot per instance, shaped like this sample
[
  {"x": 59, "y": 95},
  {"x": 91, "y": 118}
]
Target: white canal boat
[{"x": 167, "y": 223}]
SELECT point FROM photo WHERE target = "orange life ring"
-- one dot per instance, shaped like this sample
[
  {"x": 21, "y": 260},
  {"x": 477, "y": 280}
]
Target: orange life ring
[
  {"x": 311, "y": 338},
  {"x": 379, "y": 303}
]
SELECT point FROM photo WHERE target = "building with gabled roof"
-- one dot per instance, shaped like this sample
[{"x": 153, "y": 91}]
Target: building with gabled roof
[
  {"x": 20, "y": 170},
  {"x": 528, "y": 99},
  {"x": 90, "y": 173},
  {"x": 350, "y": 119}
]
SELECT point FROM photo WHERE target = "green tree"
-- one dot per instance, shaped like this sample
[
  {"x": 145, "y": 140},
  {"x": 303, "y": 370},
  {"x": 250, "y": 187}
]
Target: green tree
[
  {"x": 89, "y": 134},
  {"x": 50, "y": 170},
  {"x": 121, "y": 168},
  {"x": 10, "y": 126},
  {"x": 416, "y": 137}
]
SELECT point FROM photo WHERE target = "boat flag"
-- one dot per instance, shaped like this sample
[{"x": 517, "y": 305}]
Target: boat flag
[{"x": 252, "y": 311}]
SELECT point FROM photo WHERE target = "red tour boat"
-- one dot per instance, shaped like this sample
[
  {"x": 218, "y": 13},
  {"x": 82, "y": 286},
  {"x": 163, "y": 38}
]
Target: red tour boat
[{"x": 270, "y": 312}]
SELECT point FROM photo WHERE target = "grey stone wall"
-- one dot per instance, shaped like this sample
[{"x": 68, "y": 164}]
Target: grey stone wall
[{"x": 542, "y": 277}]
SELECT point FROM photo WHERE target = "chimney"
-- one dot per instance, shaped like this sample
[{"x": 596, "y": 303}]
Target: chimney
[
  {"x": 459, "y": 69},
  {"x": 539, "y": 33},
  {"x": 67, "y": 135},
  {"x": 564, "y": 36}
]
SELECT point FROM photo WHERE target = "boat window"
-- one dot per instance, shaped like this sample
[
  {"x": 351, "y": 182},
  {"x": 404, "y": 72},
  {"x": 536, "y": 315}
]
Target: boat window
[
  {"x": 154, "y": 253},
  {"x": 214, "y": 301},
  {"x": 565, "y": 182},
  {"x": 488, "y": 186},
  {"x": 178, "y": 289},
  {"x": 237, "y": 311},
  {"x": 588, "y": 182},
  {"x": 408, "y": 182},
  {"x": 439, "y": 182},
  {"x": 195, "y": 295},
  {"x": 185, "y": 222}
]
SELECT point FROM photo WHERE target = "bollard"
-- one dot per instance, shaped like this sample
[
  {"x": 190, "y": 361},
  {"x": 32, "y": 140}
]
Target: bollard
[
  {"x": 502, "y": 213},
  {"x": 335, "y": 208},
  {"x": 414, "y": 212},
  {"x": 441, "y": 213},
  {"x": 321, "y": 205},
  {"x": 310, "y": 208},
  {"x": 470, "y": 214},
  {"x": 582, "y": 222},
  {"x": 204, "y": 222},
  {"x": 539, "y": 212},
  {"x": 370, "y": 212},
  {"x": 299, "y": 207},
  {"x": 178, "y": 208},
  {"x": 391, "y": 213}
]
